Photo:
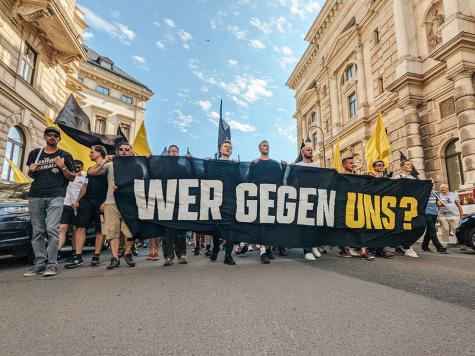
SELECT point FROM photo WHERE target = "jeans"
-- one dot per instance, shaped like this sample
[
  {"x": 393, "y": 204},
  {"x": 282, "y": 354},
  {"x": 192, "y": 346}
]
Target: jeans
[
  {"x": 174, "y": 242},
  {"x": 431, "y": 233},
  {"x": 45, "y": 218}
]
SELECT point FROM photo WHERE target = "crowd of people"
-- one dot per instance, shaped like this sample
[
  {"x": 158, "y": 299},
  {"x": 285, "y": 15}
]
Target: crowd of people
[{"x": 64, "y": 198}]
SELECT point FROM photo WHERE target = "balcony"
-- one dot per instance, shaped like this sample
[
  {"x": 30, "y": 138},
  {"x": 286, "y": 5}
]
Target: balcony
[{"x": 58, "y": 23}]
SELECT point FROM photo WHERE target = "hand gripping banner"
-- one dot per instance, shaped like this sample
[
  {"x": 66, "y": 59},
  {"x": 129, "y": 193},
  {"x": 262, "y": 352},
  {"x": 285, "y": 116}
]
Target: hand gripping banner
[{"x": 268, "y": 202}]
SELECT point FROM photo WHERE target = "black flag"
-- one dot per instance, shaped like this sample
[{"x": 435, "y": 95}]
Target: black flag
[
  {"x": 300, "y": 158},
  {"x": 164, "y": 152},
  {"x": 76, "y": 124},
  {"x": 414, "y": 172},
  {"x": 224, "y": 132}
]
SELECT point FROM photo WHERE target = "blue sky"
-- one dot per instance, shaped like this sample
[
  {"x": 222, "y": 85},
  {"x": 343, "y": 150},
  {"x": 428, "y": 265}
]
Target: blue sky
[{"x": 193, "y": 53}]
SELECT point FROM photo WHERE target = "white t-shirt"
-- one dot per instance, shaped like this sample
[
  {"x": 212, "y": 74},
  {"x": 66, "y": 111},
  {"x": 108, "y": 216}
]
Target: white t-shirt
[
  {"x": 403, "y": 176},
  {"x": 302, "y": 163},
  {"x": 451, "y": 200},
  {"x": 73, "y": 189}
]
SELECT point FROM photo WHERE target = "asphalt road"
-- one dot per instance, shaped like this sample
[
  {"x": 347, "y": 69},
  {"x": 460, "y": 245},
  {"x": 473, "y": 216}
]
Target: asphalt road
[{"x": 333, "y": 306}]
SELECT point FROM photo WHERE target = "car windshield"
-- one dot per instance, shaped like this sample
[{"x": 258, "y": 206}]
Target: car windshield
[{"x": 14, "y": 191}]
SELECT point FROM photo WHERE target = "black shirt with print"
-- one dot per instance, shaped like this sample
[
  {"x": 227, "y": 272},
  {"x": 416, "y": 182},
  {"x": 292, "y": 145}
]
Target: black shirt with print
[{"x": 49, "y": 181}]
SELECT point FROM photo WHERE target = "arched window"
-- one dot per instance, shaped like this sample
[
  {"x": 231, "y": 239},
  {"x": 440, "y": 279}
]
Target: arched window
[
  {"x": 14, "y": 152},
  {"x": 453, "y": 164},
  {"x": 315, "y": 140},
  {"x": 350, "y": 72},
  {"x": 312, "y": 118}
]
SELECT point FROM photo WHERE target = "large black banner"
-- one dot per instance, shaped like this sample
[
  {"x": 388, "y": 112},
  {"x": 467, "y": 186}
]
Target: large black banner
[{"x": 268, "y": 202}]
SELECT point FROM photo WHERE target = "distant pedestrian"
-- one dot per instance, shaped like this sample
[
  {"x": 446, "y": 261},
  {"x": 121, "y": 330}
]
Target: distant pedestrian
[
  {"x": 431, "y": 231},
  {"x": 450, "y": 212}
]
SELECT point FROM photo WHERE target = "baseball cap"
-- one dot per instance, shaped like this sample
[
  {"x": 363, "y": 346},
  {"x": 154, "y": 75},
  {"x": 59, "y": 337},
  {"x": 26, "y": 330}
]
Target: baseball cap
[{"x": 52, "y": 129}]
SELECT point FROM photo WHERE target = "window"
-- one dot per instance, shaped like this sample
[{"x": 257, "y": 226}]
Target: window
[
  {"x": 350, "y": 72},
  {"x": 352, "y": 105},
  {"x": 102, "y": 90},
  {"x": 125, "y": 130},
  {"x": 312, "y": 118},
  {"x": 315, "y": 140},
  {"x": 453, "y": 164},
  {"x": 100, "y": 127},
  {"x": 127, "y": 99},
  {"x": 14, "y": 152},
  {"x": 376, "y": 36},
  {"x": 380, "y": 85},
  {"x": 106, "y": 65},
  {"x": 28, "y": 63}
]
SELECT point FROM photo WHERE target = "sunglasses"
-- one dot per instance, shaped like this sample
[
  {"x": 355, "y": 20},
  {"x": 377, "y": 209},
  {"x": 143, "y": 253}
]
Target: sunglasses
[
  {"x": 379, "y": 165},
  {"x": 55, "y": 135},
  {"x": 126, "y": 149}
]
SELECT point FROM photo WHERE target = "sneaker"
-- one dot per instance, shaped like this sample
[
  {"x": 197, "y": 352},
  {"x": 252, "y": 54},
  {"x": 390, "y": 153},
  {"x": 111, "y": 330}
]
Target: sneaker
[
  {"x": 75, "y": 262},
  {"x": 249, "y": 247},
  {"x": 51, "y": 270},
  {"x": 115, "y": 262},
  {"x": 443, "y": 251},
  {"x": 265, "y": 258},
  {"x": 154, "y": 256},
  {"x": 309, "y": 257},
  {"x": 228, "y": 260},
  {"x": 183, "y": 260},
  {"x": 168, "y": 262},
  {"x": 345, "y": 254},
  {"x": 426, "y": 249},
  {"x": 463, "y": 248},
  {"x": 353, "y": 252},
  {"x": 316, "y": 252},
  {"x": 95, "y": 261},
  {"x": 269, "y": 254},
  {"x": 411, "y": 253},
  {"x": 367, "y": 256},
  {"x": 208, "y": 253},
  {"x": 129, "y": 260},
  {"x": 34, "y": 271},
  {"x": 244, "y": 249}
]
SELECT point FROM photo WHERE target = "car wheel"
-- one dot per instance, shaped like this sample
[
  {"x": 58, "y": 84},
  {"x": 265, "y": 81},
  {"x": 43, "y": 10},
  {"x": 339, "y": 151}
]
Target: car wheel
[{"x": 471, "y": 238}]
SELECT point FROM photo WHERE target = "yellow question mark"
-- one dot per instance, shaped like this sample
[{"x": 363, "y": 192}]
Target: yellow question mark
[{"x": 408, "y": 214}]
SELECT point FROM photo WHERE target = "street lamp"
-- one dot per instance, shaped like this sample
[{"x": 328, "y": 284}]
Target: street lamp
[{"x": 307, "y": 141}]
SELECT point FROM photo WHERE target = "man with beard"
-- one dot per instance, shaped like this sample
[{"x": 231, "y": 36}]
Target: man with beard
[
  {"x": 225, "y": 152},
  {"x": 307, "y": 155},
  {"x": 51, "y": 169},
  {"x": 266, "y": 170},
  {"x": 88, "y": 205}
]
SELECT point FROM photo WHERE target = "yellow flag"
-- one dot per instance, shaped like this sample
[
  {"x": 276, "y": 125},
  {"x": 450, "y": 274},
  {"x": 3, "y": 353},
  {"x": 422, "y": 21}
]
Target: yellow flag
[
  {"x": 378, "y": 146},
  {"x": 337, "y": 157},
  {"x": 18, "y": 176},
  {"x": 141, "y": 147},
  {"x": 73, "y": 147}
]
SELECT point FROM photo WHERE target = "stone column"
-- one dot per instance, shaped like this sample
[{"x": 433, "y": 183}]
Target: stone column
[
  {"x": 415, "y": 150},
  {"x": 334, "y": 102},
  {"x": 465, "y": 109},
  {"x": 362, "y": 92}
]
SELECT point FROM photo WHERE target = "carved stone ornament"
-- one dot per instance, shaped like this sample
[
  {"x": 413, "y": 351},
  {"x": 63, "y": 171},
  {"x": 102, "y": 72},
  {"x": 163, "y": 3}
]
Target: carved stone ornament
[
  {"x": 31, "y": 13},
  {"x": 434, "y": 35}
]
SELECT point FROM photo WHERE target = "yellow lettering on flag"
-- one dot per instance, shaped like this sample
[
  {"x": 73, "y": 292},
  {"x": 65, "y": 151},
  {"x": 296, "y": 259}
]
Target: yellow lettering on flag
[
  {"x": 378, "y": 146},
  {"x": 18, "y": 176},
  {"x": 78, "y": 151},
  {"x": 336, "y": 165},
  {"x": 141, "y": 147}
]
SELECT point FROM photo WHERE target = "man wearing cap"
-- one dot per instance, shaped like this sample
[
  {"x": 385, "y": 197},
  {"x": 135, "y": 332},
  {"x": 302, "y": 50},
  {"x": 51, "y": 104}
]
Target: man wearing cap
[{"x": 51, "y": 169}]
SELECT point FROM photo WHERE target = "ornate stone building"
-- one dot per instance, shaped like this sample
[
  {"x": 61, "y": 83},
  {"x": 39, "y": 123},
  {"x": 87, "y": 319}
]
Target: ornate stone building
[
  {"x": 40, "y": 49},
  {"x": 112, "y": 98},
  {"x": 411, "y": 60}
]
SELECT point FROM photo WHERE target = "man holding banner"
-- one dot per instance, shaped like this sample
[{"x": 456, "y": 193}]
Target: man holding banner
[{"x": 51, "y": 169}]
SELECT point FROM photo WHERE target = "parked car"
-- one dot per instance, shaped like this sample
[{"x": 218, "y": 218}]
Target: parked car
[
  {"x": 15, "y": 225},
  {"x": 466, "y": 231}
]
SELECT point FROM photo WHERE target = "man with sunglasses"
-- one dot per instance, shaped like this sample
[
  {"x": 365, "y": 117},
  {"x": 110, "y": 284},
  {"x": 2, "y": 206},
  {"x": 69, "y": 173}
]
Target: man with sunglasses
[
  {"x": 68, "y": 217},
  {"x": 51, "y": 169}
]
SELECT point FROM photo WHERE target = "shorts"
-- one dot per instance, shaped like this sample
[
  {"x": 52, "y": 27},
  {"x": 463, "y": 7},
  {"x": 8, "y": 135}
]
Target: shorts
[
  {"x": 114, "y": 224},
  {"x": 89, "y": 212},
  {"x": 68, "y": 217}
]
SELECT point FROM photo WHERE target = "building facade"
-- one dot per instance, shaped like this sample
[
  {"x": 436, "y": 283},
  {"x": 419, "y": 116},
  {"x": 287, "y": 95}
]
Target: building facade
[
  {"x": 40, "y": 49},
  {"x": 111, "y": 97},
  {"x": 413, "y": 61}
]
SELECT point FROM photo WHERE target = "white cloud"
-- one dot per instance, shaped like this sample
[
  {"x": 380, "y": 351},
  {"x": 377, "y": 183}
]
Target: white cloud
[
  {"x": 87, "y": 35},
  {"x": 219, "y": 20},
  {"x": 240, "y": 126},
  {"x": 232, "y": 63},
  {"x": 185, "y": 36},
  {"x": 182, "y": 121},
  {"x": 288, "y": 56},
  {"x": 141, "y": 61},
  {"x": 204, "y": 104},
  {"x": 289, "y": 132},
  {"x": 115, "y": 29},
  {"x": 261, "y": 25},
  {"x": 169, "y": 22},
  {"x": 160, "y": 45},
  {"x": 254, "y": 43},
  {"x": 237, "y": 32},
  {"x": 302, "y": 8}
]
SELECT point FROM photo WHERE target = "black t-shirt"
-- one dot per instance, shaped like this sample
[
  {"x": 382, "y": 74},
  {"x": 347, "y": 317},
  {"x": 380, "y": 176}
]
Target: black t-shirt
[
  {"x": 97, "y": 187},
  {"x": 49, "y": 181},
  {"x": 266, "y": 171}
]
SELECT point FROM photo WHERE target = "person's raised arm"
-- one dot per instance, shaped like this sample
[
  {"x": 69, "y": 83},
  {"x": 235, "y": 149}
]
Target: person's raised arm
[{"x": 98, "y": 169}]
